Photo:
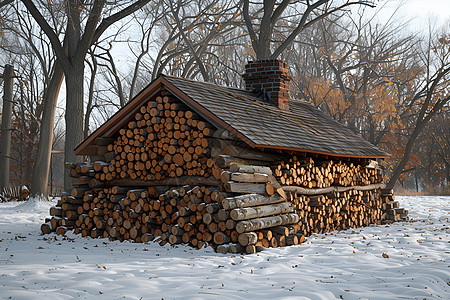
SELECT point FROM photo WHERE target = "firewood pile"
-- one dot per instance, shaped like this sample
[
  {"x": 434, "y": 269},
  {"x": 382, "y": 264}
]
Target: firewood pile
[
  {"x": 193, "y": 215},
  {"x": 14, "y": 193},
  {"x": 341, "y": 210},
  {"x": 169, "y": 176},
  {"x": 220, "y": 216},
  {"x": 164, "y": 140},
  {"x": 321, "y": 174}
]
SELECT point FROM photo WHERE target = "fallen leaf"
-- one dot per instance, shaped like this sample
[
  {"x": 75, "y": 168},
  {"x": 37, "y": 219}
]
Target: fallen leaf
[{"x": 385, "y": 255}]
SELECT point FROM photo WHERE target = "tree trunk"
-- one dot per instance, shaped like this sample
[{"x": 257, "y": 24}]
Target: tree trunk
[
  {"x": 41, "y": 168},
  {"x": 408, "y": 149},
  {"x": 74, "y": 116},
  {"x": 267, "y": 222},
  {"x": 5, "y": 140}
]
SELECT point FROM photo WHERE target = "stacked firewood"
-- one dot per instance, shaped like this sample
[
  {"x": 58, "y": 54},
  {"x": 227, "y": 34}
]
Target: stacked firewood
[
  {"x": 164, "y": 140},
  {"x": 310, "y": 173},
  {"x": 318, "y": 210},
  {"x": 247, "y": 212},
  {"x": 169, "y": 175},
  {"x": 14, "y": 193},
  {"x": 337, "y": 210},
  {"x": 197, "y": 216},
  {"x": 391, "y": 208},
  {"x": 261, "y": 221},
  {"x": 64, "y": 215}
]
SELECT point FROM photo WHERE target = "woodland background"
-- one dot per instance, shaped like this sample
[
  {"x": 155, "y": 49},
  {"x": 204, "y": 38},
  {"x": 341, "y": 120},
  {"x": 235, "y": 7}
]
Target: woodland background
[{"x": 77, "y": 62}]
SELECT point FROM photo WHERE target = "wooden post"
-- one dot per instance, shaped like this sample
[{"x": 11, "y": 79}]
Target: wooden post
[{"x": 5, "y": 140}]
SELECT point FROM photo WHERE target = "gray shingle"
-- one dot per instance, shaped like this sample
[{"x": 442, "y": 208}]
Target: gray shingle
[{"x": 303, "y": 127}]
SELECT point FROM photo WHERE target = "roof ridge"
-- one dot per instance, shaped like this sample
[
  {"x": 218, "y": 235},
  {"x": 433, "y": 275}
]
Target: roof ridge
[{"x": 206, "y": 82}]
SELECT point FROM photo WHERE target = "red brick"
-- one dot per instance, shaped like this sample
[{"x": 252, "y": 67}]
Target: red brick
[{"x": 270, "y": 76}]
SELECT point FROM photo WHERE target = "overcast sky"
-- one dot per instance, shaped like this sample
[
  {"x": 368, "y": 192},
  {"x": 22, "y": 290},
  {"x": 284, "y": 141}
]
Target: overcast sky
[
  {"x": 439, "y": 8},
  {"x": 419, "y": 10}
]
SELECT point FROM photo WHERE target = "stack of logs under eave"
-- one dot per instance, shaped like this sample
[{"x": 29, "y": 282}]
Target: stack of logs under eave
[{"x": 170, "y": 175}]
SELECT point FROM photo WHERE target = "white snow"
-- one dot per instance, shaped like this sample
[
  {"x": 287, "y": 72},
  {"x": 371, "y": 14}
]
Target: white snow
[{"x": 347, "y": 264}]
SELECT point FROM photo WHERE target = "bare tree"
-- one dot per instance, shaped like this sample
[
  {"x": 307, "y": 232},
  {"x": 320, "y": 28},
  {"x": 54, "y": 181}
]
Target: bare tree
[
  {"x": 146, "y": 21},
  {"x": 5, "y": 145},
  {"x": 358, "y": 72},
  {"x": 84, "y": 27},
  {"x": 270, "y": 13},
  {"x": 41, "y": 167},
  {"x": 39, "y": 82},
  {"x": 191, "y": 31},
  {"x": 431, "y": 97}
]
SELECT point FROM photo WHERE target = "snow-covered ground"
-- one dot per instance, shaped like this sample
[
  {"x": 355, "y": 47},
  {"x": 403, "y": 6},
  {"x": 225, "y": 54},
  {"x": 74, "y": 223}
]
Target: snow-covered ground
[{"x": 341, "y": 265}]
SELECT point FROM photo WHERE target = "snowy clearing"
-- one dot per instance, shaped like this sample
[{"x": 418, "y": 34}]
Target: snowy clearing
[{"x": 341, "y": 265}]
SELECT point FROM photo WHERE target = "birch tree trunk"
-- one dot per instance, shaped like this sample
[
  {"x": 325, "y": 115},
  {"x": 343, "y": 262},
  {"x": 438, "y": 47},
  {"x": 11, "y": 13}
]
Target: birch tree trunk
[
  {"x": 41, "y": 169},
  {"x": 5, "y": 140}
]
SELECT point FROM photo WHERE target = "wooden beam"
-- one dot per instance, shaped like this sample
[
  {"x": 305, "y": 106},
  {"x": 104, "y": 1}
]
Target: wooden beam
[{"x": 305, "y": 191}]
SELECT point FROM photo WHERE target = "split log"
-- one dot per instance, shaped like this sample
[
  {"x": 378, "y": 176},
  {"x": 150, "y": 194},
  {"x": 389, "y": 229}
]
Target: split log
[
  {"x": 266, "y": 222},
  {"x": 61, "y": 230},
  {"x": 250, "y": 178},
  {"x": 251, "y": 169},
  {"x": 252, "y": 249},
  {"x": 305, "y": 191},
  {"x": 221, "y": 238},
  {"x": 250, "y": 188},
  {"x": 249, "y": 201},
  {"x": 222, "y": 249},
  {"x": 248, "y": 238},
  {"x": 79, "y": 191},
  {"x": 239, "y": 214},
  {"x": 55, "y": 211},
  {"x": 175, "y": 239},
  {"x": 46, "y": 228},
  {"x": 236, "y": 248},
  {"x": 147, "y": 237},
  {"x": 385, "y": 191}
]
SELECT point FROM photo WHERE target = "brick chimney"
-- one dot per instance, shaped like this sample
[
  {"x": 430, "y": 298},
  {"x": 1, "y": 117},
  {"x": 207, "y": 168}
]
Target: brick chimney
[{"x": 271, "y": 79}]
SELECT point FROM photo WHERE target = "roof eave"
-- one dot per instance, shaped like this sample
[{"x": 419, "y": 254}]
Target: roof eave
[{"x": 289, "y": 149}]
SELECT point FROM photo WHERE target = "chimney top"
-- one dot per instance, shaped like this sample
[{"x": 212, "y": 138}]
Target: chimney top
[{"x": 271, "y": 79}]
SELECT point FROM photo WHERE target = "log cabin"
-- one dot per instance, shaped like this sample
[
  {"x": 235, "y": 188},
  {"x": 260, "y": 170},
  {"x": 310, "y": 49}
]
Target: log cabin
[{"x": 238, "y": 170}]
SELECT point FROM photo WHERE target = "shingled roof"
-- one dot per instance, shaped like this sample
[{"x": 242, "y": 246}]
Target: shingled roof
[{"x": 302, "y": 128}]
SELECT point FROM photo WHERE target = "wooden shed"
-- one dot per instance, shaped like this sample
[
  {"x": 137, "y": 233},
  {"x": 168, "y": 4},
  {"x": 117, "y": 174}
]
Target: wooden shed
[{"x": 239, "y": 170}]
